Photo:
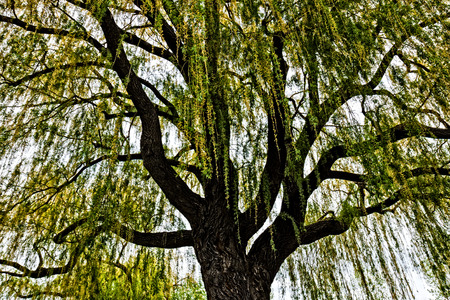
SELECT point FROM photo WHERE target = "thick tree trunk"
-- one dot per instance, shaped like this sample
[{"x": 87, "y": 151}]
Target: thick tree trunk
[
  {"x": 229, "y": 275},
  {"x": 227, "y": 271}
]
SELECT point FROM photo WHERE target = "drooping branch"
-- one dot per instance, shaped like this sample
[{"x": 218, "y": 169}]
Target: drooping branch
[
  {"x": 315, "y": 121},
  {"x": 133, "y": 39},
  {"x": 288, "y": 237},
  {"x": 150, "y": 11},
  {"x": 37, "y": 295},
  {"x": 273, "y": 172},
  {"x": 160, "y": 97},
  {"x": 53, "y": 31},
  {"x": 52, "y": 69},
  {"x": 125, "y": 157},
  {"x": 41, "y": 272},
  {"x": 166, "y": 240},
  {"x": 398, "y": 103},
  {"x": 336, "y": 225},
  {"x": 123, "y": 268},
  {"x": 405, "y": 175},
  {"x": 394, "y": 50},
  {"x": 175, "y": 239}
]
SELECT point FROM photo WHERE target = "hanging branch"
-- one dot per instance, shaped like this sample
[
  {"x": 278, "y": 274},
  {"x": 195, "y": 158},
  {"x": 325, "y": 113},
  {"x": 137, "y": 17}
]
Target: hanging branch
[
  {"x": 288, "y": 239},
  {"x": 315, "y": 121},
  {"x": 273, "y": 172},
  {"x": 36, "y": 295},
  {"x": 133, "y": 39},
  {"x": 359, "y": 178},
  {"x": 398, "y": 103},
  {"x": 149, "y": 10}
]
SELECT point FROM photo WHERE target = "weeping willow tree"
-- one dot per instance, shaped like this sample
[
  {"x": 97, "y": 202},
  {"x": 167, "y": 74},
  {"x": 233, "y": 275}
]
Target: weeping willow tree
[{"x": 256, "y": 132}]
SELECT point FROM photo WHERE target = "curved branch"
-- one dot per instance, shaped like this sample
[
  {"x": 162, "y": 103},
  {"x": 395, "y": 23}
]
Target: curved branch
[
  {"x": 165, "y": 240},
  {"x": 394, "y": 134},
  {"x": 288, "y": 238},
  {"x": 315, "y": 121},
  {"x": 123, "y": 268},
  {"x": 387, "y": 58},
  {"x": 175, "y": 239},
  {"x": 36, "y": 295},
  {"x": 398, "y": 103},
  {"x": 41, "y": 272},
  {"x": 175, "y": 189},
  {"x": 173, "y": 162},
  {"x": 53, "y": 31},
  {"x": 149, "y": 10},
  {"x": 160, "y": 97},
  {"x": 133, "y": 39},
  {"x": 52, "y": 69}
]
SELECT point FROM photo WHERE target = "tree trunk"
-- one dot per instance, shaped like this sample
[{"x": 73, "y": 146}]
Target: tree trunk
[{"x": 226, "y": 270}]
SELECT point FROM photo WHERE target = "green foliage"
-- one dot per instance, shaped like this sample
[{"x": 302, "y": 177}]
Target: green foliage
[{"x": 338, "y": 107}]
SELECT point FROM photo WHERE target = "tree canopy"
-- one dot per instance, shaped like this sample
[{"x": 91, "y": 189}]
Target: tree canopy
[{"x": 311, "y": 136}]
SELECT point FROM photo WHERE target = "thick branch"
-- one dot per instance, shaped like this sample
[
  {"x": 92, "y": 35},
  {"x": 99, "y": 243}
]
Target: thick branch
[
  {"x": 175, "y": 239},
  {"x": 394, "y": 134},
  {"x": 408, "y": 174},
  {"x": 288, "y": 238},
  {"x": 175, "y": 189}
]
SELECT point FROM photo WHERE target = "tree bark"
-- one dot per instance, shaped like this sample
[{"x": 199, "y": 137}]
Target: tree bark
[{"x": 227, "y": 271}]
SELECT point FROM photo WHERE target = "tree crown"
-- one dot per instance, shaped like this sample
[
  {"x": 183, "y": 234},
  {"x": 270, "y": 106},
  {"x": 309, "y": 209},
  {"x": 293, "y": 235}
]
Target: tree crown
[{"x": 133, "y": 122}]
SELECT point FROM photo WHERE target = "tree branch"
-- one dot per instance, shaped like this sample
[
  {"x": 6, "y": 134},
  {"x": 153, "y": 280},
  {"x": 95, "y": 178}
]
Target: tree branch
[
  {"x": 315, "y": 122},
  {"x": 387, "y": 58},
  {"x": 175, "y": 189},
  {"x": 166, "y": 240},
  {"x": 53, "y": 31},
  {"x": 36, "y": 295},
  {"x": 273, "y": 173},
  {"x": 175, "y": 239},
  {"x": 398, "y": 103},
  {"x": 150, "y": 11},
  {"x": 406, "y": 175},
  {"x": 394, "y": 134},
  {"x": 288, "y": 238},
  {"x": 160, "y": 97},
  {"x": 133, "y": 39},
  {"x": 52, "y": 69},
  {"x": 41, "y": 272}
]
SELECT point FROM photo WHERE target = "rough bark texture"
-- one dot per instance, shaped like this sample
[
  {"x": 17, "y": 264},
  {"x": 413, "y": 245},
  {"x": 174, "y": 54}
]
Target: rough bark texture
[{"x": 227, "y": 271}]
